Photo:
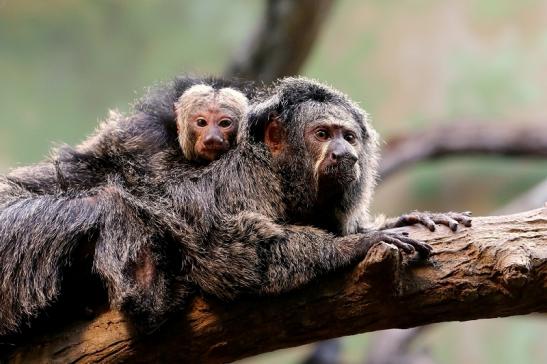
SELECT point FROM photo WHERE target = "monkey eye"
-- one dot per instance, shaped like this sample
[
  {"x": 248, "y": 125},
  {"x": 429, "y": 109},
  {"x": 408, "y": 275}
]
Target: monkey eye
[
  {"x": 201, "y": 122},
  {"x": 322, "y": 134},
  {"x": 225, "y": 123},
  {"x": 350, "y": 138}
]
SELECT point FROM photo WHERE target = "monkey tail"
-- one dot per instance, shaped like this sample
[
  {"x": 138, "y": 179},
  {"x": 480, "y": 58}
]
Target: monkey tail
[{"x": 37, "y": 235}]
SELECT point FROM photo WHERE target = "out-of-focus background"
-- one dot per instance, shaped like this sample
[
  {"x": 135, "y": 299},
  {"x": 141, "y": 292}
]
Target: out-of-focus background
[{"x": 411, "y": 65}]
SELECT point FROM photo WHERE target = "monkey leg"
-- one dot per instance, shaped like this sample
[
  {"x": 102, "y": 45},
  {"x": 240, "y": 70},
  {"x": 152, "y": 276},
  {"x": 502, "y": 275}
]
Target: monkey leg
[
  {"x": 430, "y": 219},
  {"x": 135, "y": 259}
]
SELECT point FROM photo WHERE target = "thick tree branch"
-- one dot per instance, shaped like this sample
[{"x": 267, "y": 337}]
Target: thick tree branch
[
  {"x": 282, "y": 41},
  {"x": 461, "y": 139},
  {"x": 496, "y": 268}
]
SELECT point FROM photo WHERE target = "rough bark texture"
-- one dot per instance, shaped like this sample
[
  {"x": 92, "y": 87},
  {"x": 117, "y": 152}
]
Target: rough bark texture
[
  {"x": 496, "y": 268},
  {"x": 464, "y": 138},
  {"x": 282, "y": 41}
]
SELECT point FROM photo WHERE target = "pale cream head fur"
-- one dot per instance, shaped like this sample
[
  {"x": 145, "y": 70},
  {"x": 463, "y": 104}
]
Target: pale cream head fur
[{"x": 204, "y": 97}]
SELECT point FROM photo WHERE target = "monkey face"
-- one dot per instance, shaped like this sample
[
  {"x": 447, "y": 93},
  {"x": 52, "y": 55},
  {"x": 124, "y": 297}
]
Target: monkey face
[
  {"x": 214, "y": 131},
  {"x": 333, "y": 143},
  {"x": 208, "y": 121}
]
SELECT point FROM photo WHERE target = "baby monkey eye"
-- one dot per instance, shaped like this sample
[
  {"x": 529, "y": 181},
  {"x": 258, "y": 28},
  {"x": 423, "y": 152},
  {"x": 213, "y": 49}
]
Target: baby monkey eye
[
  {"x": 225, "y": 123},
  {"x": 322, "y": 134},
  {"x": 201, "y": 122},
  {"x": 350, "y": 138}
]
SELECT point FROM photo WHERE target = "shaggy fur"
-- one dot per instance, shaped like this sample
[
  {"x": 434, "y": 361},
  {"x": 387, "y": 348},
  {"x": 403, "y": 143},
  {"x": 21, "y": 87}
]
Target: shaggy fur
[
  {"x": 163, "y": 229},
  {"x": 238, "y": 223},
  {"x": 85, "y": 193}
]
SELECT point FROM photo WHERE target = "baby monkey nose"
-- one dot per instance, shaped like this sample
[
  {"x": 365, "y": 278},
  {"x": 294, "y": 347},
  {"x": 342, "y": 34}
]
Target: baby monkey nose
[{"x": 213, "y": 141}]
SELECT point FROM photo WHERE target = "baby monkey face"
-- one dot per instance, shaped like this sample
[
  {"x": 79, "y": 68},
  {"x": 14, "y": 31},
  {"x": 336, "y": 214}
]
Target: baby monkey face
[
  {"x": 208, "y": 121},
  {"x": 214, "y": 130}
]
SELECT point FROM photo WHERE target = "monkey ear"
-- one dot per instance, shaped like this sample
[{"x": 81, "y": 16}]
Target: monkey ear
[
  {"x": 259, "y": 116},
  {"x": 274, "y": 135}
]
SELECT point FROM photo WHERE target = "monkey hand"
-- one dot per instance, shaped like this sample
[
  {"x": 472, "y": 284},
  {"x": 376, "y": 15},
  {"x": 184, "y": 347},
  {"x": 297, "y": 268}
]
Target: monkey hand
[
  {"x": 430, "y": 219},
  {"x": 399, "y": 240}
]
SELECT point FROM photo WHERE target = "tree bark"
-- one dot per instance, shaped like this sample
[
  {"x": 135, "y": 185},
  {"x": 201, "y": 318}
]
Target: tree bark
[
  {"x": 526, "y": 139},
  {"x": 282, "y": 41},
  {"x": 496, "y": 268}
]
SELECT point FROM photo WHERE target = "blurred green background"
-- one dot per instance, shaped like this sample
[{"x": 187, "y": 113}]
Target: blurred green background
[{"x": 410, "y": 64}]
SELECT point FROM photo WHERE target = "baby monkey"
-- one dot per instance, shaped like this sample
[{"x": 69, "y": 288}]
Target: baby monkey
[{"x": 208, "y": 120}]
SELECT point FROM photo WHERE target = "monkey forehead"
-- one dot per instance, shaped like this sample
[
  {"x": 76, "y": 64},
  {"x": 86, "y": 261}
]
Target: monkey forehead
[
  {"x": 204, "y": 98},
  {"x": 313, "y": 113},
  {"x": 208, "y": 93},
  {"x": 217, "y": 109}
]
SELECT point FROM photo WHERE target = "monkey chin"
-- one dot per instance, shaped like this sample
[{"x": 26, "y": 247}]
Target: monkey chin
[
  {"x": 209, "y": 154},
  {"x": 336, "y": 183},
  {"x": 338, "y": 175}
]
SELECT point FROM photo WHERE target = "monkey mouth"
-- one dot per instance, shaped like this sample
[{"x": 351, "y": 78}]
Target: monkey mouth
[
  {"x": 340, "y": 173},
  {"x": 214, "y": 150},
  {"x": 211, "y": 153}
]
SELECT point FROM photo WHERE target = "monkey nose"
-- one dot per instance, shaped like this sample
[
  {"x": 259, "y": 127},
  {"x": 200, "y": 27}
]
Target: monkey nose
[
  {"x": 213, "y": 141},
  {"x": 338, "y": 156}
]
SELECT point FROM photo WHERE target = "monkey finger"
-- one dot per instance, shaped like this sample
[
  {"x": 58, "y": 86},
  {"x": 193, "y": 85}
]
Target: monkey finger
[
  {"x": 427, "y": 221},
  {"x": 462, "y": 218},
  {"x": 465, "y": 220},
  {"x": 447, "y": 220},
  {"x": 407, "y": 248},
  {"x": 422, "y": 248},
  {"x": 415, "y": 218}
]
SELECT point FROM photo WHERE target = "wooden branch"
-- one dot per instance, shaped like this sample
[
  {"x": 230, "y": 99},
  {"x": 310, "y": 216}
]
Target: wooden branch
[
  {"x": 496, "y": 268},
  {"x": 282, "y": 41},
  {"x": 526, "y": 139}
]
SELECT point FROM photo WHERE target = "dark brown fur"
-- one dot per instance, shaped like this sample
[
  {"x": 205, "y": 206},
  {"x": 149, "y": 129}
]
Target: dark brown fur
[{"x": 256, "y": 221}]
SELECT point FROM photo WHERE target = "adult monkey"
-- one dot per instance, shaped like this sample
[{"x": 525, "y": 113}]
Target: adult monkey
[
  {"x": 216, "y": 230},
  {"x": 50, "y": 209},
  {"x": 306, "y": 149}
]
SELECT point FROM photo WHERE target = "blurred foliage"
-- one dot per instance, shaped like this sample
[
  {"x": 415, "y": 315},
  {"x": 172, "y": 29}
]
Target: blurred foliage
[{"x": 411, "y": 63}]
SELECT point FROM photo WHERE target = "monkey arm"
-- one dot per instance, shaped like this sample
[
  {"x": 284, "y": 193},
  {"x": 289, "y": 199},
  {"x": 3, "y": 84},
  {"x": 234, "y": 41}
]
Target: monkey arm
[{"x": 256, "y": 255}]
